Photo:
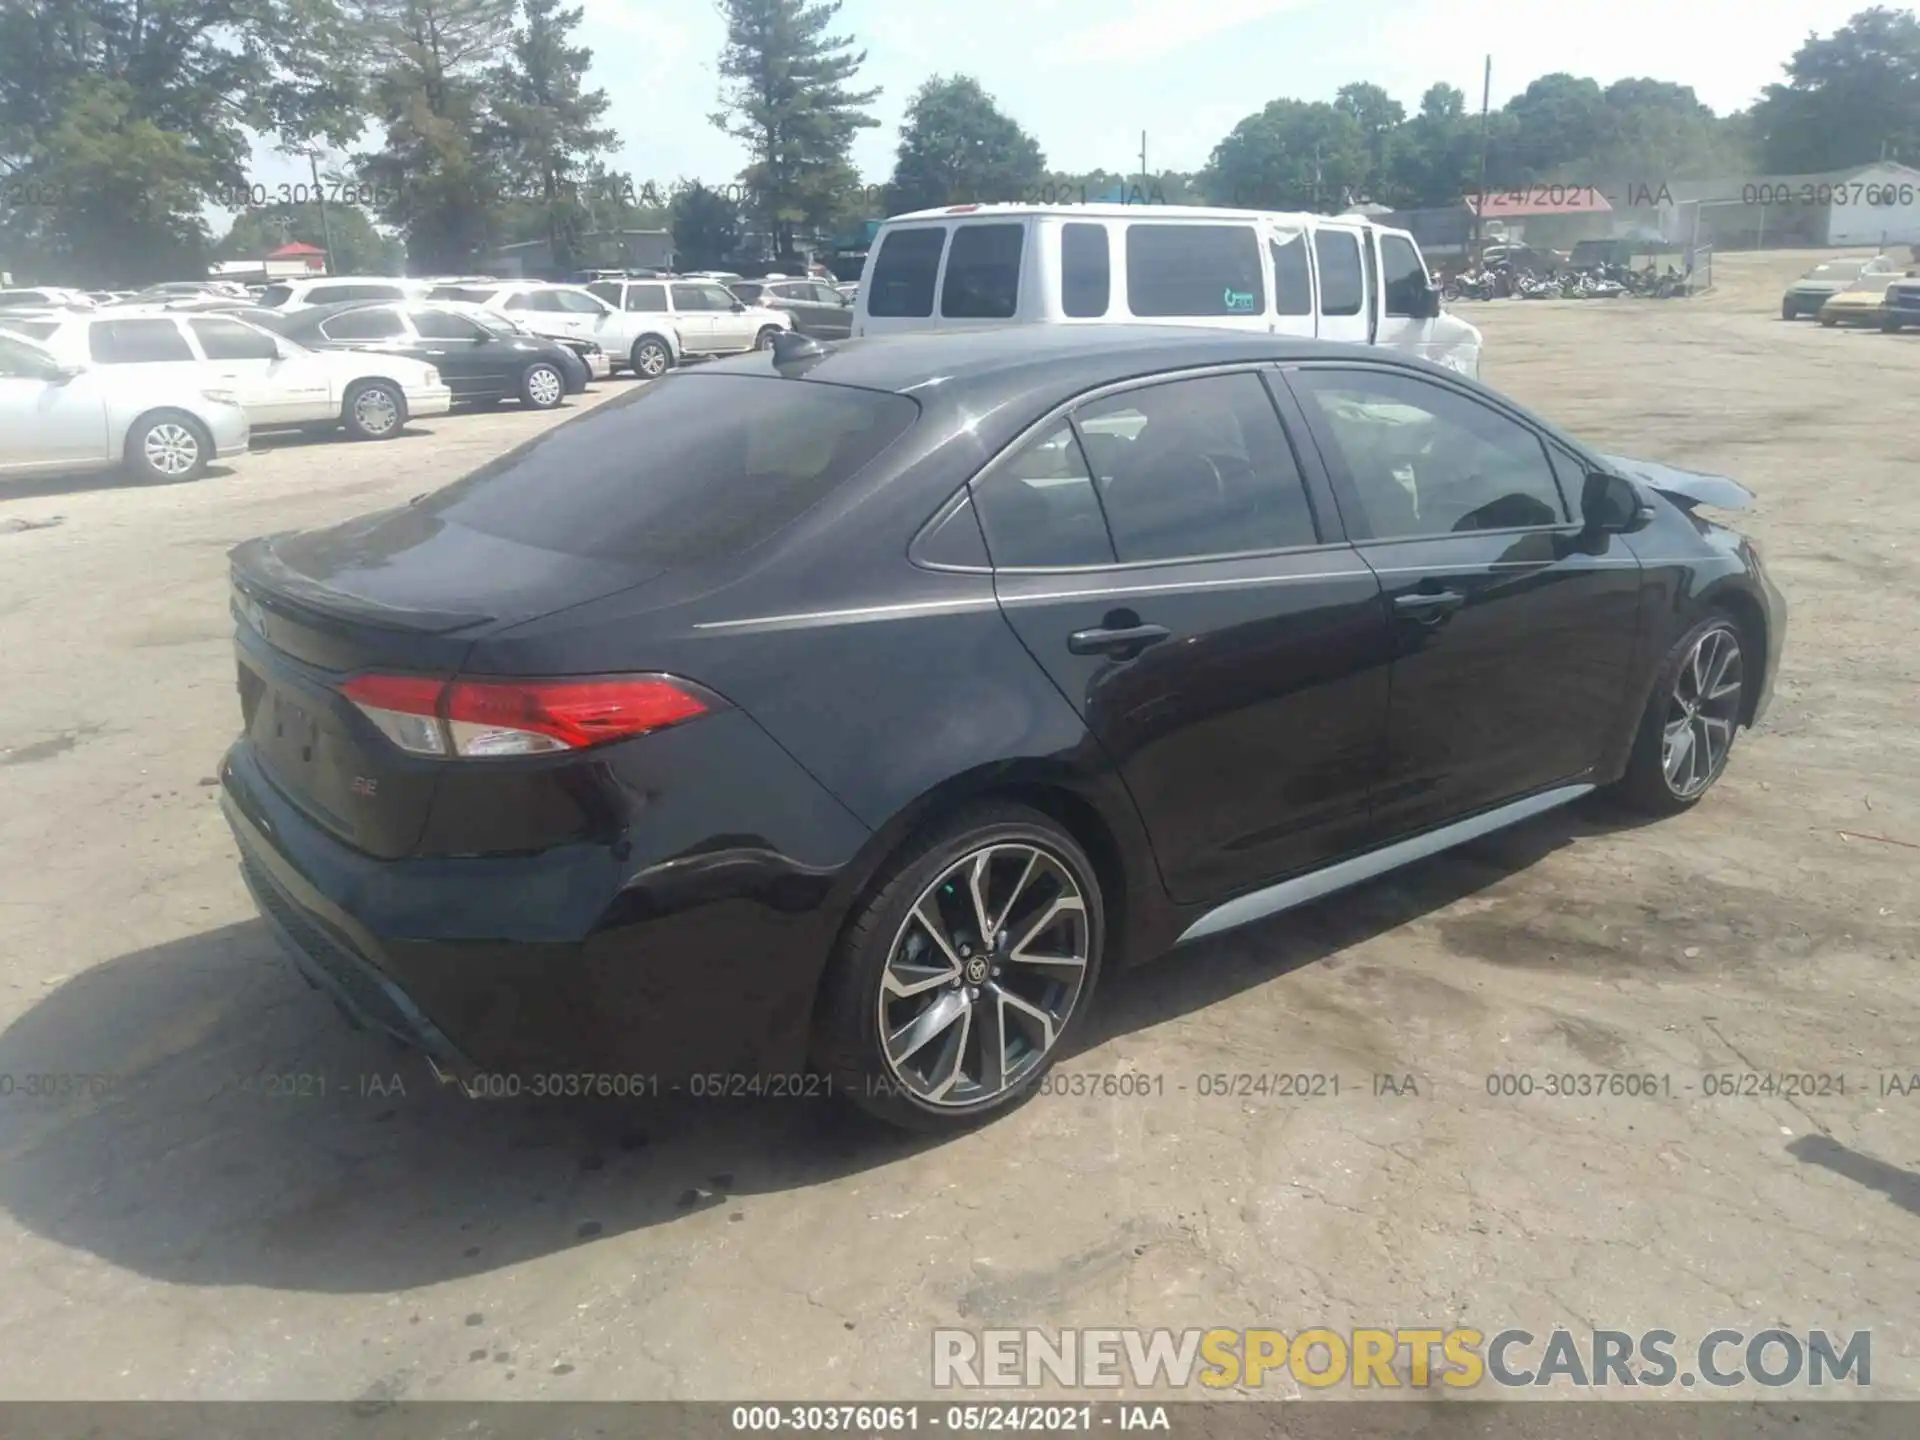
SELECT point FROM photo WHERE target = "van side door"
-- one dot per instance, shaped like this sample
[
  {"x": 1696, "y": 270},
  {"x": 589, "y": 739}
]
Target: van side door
[
  {"x": 1403, "y": 281},
  {"x": 1295, "y": 306},
  {"x": 1342, "y": 273}
]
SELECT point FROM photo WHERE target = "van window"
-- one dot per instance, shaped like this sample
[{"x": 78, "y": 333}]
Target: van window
[
  {"x": 1086, "y": 271},
  {"x": 1406, "y": 276},
  {"x": 1194, "y": 270},
  {"x": 1341, "y": 289},
  {"x": 1292, "y": 282},
  {"x": 983, "y": 272},
  {"x": 904, "y": 271}
]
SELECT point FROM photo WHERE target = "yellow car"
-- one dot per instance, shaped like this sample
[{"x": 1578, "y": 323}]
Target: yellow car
[{"x": 1861, "y": 303}]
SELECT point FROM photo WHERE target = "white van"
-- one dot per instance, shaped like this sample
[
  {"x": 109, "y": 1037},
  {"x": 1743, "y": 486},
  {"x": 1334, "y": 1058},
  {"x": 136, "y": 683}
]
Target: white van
[{"x": 1339, "y": 278}]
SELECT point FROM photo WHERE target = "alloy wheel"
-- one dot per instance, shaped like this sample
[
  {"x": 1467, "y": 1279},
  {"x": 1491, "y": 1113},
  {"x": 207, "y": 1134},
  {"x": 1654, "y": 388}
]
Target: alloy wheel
[
  {"x": 374, "y": 411},
  {"x": 544, "y": 386},
  {"x": 983, "y": 975},
  {"x": 1702, "y": 711},
  {"x": 171, "y": 449},
  {"x": 651, "y": 361}
]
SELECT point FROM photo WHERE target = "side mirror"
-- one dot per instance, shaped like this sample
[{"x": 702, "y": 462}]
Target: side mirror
[
  {"x": 1426, "y": 305},
  {"x": 1610, "y": 505}
]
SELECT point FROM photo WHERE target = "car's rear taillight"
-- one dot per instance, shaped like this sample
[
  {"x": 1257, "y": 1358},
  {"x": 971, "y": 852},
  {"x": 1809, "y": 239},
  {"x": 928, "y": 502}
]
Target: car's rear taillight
[{"x": 481, "y": 719}]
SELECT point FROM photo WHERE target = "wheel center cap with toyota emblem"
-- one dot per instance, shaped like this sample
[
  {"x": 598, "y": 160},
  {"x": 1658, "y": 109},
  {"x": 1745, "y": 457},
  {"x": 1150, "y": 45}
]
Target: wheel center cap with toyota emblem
[{"x": 976, "y": 970}]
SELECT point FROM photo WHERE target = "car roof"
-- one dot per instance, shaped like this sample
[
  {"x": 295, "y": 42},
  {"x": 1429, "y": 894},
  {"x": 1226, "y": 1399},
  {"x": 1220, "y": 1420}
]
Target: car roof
[
  {"x": 1080, "y": 356},
  {"x": 1119, "y": 211}
]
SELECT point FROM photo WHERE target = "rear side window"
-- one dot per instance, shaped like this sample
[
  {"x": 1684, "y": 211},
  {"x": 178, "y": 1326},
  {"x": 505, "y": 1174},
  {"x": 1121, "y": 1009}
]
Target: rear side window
[
  {"x": 1194, "y": 468},
  {"x": 1039, "y": 509},
  {"x": 689, "y": 469},
  {"x": 749, "y": 292},
  {"x": 230, "y": 340},
  {"x": 1292, "y": 280},
  {"x": 1194, "y": 270},
  {"x": 1341, "y": 290},
  {"x": 983, "y": 272},
  {"x": 274, "y": 296},
  {"x": 904, "y": 272},
  {"x": 1086, "y": 271},
  {"x": 1406, "y": 277},
  {"x": 136, "y": 342},
  {"x": 375, "y": 324}
]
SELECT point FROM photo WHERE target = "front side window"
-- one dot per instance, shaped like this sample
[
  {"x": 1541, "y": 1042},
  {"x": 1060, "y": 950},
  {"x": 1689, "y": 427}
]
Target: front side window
[
  {"x": 1341, "y": 288},
  {"x": 23, "y": 362},
  {"x": 1427, "y": 460},
  {"x": 444, "y": 325},
  {"x": 274, "y": 296},
  {"x": 230, "y": 340},
  {"x": 649, "y": 298},
  {"x": 607, "y": 291},
  {"x": 717, "y": 297},
  {"x": 1406, "y": 276},
  {"x": 689, "y": 297},
  {"x": 136, "y": 342},
  {"x": 1196, "y": 467},
  {"x": 1038, "y": 507},
  {"x": 33, "y": 329},
  {"x": 1086, "y": 271},
  {"x": 1194, "y": 270},
  {"x": 983, "y": 272},
  {"x": 575, "y": 303},
  {"x": 379, "y": 323},
  {"x": 904, "y": 272}
]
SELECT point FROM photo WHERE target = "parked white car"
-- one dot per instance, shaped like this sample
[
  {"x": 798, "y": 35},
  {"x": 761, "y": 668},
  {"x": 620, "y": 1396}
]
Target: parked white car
[
  {"x": 278, "y": 382},
  {"x": 339, "y": 289},
  {"x": 1339, "y": 278},
  {"x": 56, "y": 416},
  {"x": 43, "y": 297}
]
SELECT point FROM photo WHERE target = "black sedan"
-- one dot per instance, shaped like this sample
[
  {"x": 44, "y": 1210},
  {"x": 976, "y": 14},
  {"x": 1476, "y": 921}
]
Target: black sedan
[
  {"x": 481, "y": 363},
  {"x": 838, "y": 718}
]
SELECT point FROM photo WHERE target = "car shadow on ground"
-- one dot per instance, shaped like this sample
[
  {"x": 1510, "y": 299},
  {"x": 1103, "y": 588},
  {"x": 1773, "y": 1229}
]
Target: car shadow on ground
[
  {"x": 267, "y": 440},
  {"x": 38, "y": 487},
  {"x": 194, "y": 1113}
]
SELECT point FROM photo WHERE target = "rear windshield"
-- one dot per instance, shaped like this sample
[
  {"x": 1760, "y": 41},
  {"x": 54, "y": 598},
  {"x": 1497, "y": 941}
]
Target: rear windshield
[
  {"x": 904, "y": 272},
  {"x": 691, "y": 468}
]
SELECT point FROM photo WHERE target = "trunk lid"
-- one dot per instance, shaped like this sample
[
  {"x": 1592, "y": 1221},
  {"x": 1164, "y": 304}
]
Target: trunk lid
[{"x": 398, "y": 591}]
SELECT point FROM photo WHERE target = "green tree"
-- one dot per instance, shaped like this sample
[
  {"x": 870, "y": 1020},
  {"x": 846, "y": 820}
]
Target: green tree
[
  {"x": 1555, "y": 121},
  {"x": 958, "y": 147},
  {"x": 1436, "y": 154},
  {"x": 119, "y": 118},
  {"x": 787, "y": 98},
  {"x": 439, "y": 176},
  {"x": 1850, "y": 98},
  {"x": 1291, "y": 156},
  {"x": 706, "y": 228},
  {"x": 357, "y": 248},
  {"x": 1379, "y": 117},
  {"x": 548, "y": 125}
]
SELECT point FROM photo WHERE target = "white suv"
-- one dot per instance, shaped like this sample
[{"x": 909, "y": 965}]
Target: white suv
[
  {"x": 277, "y": 382},
  {"x": 690, "y": 317},
  {"x": 338, "y": 289}
]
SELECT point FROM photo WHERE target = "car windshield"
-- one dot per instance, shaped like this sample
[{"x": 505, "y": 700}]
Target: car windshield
[
  {"x": 717, "y": 465},
  {"x": 36, "y": 329}
]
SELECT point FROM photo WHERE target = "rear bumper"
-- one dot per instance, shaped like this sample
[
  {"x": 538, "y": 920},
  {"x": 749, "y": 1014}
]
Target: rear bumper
[
  {"x": 428, "y": 400},
  {"x": 568, "y": 959}
]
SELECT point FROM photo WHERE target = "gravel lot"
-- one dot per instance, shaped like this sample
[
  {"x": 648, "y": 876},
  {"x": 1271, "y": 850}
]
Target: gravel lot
[{"x": 189, "y": 1236}]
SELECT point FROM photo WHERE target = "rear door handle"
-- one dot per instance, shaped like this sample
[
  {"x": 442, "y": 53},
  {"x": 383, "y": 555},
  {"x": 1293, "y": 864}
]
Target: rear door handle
[
  {"x": 1429, "y": 607},
  {"x": 1110, "y": 642}
]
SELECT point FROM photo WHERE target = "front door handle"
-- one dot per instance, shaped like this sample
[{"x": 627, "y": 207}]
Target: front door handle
[
  {"x": 1134, "y": 638},
  {"x": 1428, "y": 607}
]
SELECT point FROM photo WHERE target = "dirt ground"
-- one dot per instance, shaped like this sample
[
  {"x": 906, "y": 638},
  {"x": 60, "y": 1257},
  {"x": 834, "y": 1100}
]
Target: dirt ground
[{"x": 187, "y": 1235}]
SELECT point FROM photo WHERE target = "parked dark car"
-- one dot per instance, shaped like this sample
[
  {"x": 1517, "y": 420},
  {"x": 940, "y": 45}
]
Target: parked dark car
[
  {"x": 481, "y": 364},
  {"x": 817, "y": 308},
  {"x": 860, "y": 707}
]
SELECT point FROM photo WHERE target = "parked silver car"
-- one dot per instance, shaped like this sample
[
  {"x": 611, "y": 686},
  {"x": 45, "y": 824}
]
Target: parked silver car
[{"x": 57, "y": 415}]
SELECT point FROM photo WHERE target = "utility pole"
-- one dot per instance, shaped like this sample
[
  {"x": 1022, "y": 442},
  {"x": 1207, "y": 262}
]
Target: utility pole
[
  {"x": 326, "y": 226},
  {"x": 1146, "y": 185},
  {"x": 1480, "y": 205}
]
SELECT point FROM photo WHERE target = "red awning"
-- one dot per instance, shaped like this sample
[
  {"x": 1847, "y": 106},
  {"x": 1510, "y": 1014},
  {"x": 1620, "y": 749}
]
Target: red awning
[
  {"x": 1539, "y": 200},
  {"x": 295, "y": 251}
]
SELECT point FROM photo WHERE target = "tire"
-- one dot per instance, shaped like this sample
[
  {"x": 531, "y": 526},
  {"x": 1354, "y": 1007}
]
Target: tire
[
  {"x": 542, "y": 386},
  {"x": 1828, "y": 321},
  {"x": 374, "y": 410},
  {"x": 1450, "y": 291},
  {"x": 764, "y": 340},
  {"x": 1034, "y": 865},
  {"x": 1649, "y": 784},
  {"x": 165, "y": 447},
  {"x": 651, "y": 357},
  {"x": 1787, "y": 312},
  {"x": 1890, "y": 325}
]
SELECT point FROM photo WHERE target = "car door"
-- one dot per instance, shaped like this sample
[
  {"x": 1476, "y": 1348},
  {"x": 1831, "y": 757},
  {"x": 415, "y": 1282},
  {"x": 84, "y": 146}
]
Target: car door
[
  {"x": 1295, "y": 307},
  {"x": 733, "y": 328},
  {"x": 473, "y": 362},
  {"x": 830, "y": 312},
  {"x": 1178, "y": 568},
  {"x": 1403, "y": 285},
  {"x": 1342, "y": 285},
  {"x": 47, "y": 421},
  {"x": 694, "y": 320},
  {"x": 1514, "y": 627},
  {"x": 272, "y": 389}
]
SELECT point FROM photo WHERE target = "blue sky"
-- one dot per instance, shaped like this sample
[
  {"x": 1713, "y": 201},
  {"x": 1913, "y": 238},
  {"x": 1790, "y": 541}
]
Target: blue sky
[{"x": 1085, "y": 77}]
